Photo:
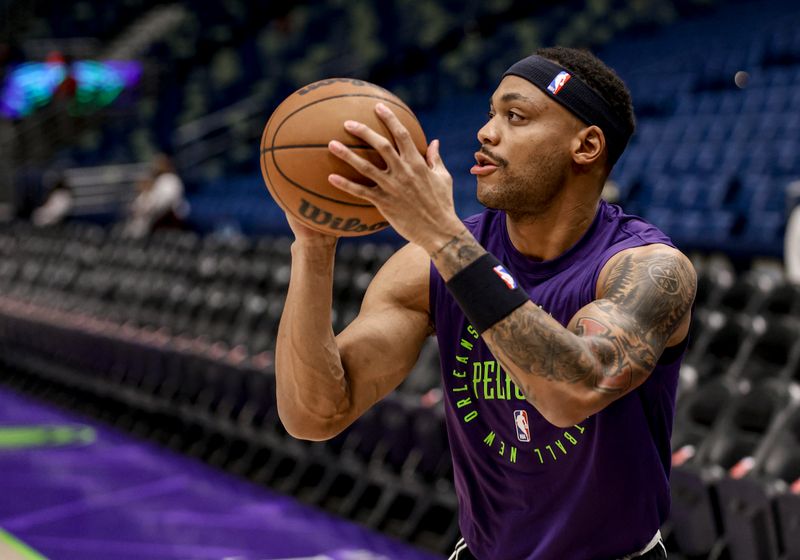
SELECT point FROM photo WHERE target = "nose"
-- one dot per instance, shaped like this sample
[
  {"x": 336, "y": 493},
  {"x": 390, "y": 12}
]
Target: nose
[{"x": 488, "y": 133}]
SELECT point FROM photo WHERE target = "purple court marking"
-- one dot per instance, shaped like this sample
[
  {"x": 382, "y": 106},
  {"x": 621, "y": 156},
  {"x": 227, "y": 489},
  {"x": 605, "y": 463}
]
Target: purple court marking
[{"x": 121, "y": 499}]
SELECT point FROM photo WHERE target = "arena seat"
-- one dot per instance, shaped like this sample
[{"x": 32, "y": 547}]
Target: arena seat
[
  {"x": 770, "y": 350},
  {"x": 783, "y": 299},
  {"x": 748, "y": 496},
  {"x": 695, "y": 518},
  {"x": 747, "y": 292},
  {"x": 702, "y": 517},
  {"x": 777, "y": 469},
  {"x": 718, "y": 344}
]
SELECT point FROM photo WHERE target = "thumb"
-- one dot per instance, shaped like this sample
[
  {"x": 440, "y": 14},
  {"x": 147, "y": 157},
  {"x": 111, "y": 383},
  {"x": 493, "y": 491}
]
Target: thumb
[{"x": 433, "y": 157}]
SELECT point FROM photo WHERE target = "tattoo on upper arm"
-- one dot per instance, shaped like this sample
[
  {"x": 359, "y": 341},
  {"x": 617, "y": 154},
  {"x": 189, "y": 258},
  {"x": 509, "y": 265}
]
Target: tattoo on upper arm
[
  {"x": 644, "y": 301},
  {"x": 619, "y": 341},
  {"x": 658, "y": 291}
]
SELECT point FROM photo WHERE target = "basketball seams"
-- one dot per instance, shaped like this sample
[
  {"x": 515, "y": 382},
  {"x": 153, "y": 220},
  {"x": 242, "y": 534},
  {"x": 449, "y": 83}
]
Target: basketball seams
[
  {"x": 268, "y": 147},
  {"x": 399, "y": 104},
  {"x": 274, "y": 192},
  {"x": 315, "y": 193},
  {"x": 300, "y": 146},
  {"x": 287, "y": 209},
  {"x": 272, "y": 148}
]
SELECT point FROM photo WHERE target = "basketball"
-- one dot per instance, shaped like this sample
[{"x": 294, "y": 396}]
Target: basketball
[{"x": 295, "y": 161}]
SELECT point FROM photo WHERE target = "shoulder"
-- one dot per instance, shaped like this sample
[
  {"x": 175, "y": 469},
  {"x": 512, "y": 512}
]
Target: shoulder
[
  {"x": 632, "y": 227},
  {"x": 663, "y": 266},
  {"x": 653, "y": 284},
  {"x": 621, "y": 234}
]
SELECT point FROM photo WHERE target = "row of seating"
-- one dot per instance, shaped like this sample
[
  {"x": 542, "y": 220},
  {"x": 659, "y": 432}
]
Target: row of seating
[
  {"x": 736, "y": 470},
  {"x": 233, "y": 292},
  {"x": 391, "y": 470},
  {"x": 230, "y": 290}
]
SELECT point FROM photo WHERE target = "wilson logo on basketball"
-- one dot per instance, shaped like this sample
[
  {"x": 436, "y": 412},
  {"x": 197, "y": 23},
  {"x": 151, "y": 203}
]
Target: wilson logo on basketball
[{"x": 324, "y": 218}]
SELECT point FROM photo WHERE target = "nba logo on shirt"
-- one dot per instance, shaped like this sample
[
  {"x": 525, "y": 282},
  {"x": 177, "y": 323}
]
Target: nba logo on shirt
[
  {"x": 558, "y": 82},
  {"x": 521, "y": 422},
  {"x": 505, "y": 276}
]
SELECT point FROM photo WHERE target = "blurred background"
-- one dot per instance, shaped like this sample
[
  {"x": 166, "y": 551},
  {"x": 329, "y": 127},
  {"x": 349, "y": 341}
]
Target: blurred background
[{"x": 144, "y": 265}]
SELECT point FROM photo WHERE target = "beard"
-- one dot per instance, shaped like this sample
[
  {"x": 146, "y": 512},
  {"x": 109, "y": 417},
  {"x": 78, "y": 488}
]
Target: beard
[{"x": 526, "y": 192}]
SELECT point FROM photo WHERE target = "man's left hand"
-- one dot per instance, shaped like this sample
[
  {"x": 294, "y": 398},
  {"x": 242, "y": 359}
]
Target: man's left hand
[{"x": 414, "y": 193}]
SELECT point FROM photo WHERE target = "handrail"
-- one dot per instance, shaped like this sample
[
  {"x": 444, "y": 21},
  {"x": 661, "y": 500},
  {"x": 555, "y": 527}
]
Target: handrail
[{"x": 222, "y": 119}]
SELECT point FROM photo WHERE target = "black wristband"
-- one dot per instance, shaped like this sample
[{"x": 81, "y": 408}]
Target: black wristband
[{"x": 486, "y": 292}]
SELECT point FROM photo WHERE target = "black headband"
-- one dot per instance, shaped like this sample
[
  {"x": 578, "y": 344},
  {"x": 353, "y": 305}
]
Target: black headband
[{"x": 564, "y": 87}]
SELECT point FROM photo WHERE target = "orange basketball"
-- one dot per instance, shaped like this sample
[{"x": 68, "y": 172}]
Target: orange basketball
[{"x": 295, "y": 160}]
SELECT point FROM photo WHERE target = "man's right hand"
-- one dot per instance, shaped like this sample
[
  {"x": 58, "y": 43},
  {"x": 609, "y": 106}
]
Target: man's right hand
[{"x": 309, "y": 236}]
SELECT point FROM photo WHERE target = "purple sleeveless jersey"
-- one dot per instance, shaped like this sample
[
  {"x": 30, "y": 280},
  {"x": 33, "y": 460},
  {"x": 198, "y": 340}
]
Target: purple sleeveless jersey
[{"x": 528, "y": 490}]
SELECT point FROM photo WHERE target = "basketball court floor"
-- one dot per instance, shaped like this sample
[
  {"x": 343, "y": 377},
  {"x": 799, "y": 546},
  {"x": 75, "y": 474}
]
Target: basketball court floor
[{"x": 72, "y": 489}]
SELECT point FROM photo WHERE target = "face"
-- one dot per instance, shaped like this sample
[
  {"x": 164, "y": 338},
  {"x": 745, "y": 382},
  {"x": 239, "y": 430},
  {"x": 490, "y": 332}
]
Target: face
[{"x": 525, "y": 149}]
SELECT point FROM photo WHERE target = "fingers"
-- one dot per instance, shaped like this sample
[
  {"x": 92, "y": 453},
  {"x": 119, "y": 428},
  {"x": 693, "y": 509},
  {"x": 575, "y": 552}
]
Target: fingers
[
  {"x": 367, "y": 193},
  {"x": 402, "y": 138},
  {"x": 308, "y": 235},
  {"x": 360, "y": 164},
  {"x": 382, "y": 145},
  {"x": 403, "y": 164},
  {"x": 433, "y": 157},
  {"x": 400, "y": 133}
]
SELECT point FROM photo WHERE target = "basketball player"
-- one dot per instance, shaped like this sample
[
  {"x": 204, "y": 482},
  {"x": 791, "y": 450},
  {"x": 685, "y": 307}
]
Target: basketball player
[{"x": 561, "y": 321}]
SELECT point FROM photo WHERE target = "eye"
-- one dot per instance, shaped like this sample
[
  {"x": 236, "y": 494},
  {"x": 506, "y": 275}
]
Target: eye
[
  {"x": 490, "y": 115},
  {"x": 513, "y": 116}
]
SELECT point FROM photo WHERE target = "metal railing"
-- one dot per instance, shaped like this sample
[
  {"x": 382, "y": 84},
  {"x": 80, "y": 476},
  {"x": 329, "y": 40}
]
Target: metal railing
[
  {"x": 104, "y": 189},
  {"x": 210, "y": 136}
]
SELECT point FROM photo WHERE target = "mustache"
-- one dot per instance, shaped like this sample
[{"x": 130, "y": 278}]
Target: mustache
[{"x": 500, "y": 161}]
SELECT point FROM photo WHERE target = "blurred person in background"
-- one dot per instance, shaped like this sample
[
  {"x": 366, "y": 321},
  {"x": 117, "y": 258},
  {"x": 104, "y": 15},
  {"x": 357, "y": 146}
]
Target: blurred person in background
[
  {"x": 160, "y": 203},
  {"x": 791, "y": 245},
  {"x": 57, "y": 205},
  {"x": 561, "y": 320}
]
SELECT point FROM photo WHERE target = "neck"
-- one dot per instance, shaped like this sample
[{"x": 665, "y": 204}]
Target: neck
[{"x": 547, "y": 235}]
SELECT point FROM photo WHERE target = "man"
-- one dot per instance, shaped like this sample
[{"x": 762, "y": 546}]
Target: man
[
  {"x": 56, "y": 207},
  {"x": 561, "y": 321},
  {"x": 160, "y": 202}
]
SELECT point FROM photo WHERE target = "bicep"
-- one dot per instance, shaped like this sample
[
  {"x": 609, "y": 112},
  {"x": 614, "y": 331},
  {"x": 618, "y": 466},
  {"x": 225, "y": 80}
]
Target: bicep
[
  {"x": 382, "y": 344},
  {"x": 645, "y": 300}
]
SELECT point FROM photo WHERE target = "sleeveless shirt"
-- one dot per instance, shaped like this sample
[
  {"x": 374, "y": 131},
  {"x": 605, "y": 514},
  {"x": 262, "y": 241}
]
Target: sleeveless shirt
[{"x": 528, "y": 490}]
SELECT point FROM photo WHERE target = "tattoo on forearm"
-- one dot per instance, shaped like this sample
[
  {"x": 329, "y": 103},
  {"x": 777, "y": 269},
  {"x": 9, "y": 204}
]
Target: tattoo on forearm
[
  {"x": 620, "y": 336},
  {"x": 452, "y": 241},
  {"x": 457, "y": 253},
  {"x": 537, "y": 344}
]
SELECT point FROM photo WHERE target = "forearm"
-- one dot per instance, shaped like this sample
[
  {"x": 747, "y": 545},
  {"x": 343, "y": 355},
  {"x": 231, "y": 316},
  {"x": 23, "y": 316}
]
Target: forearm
[
  {"x": 554, "y": 368},
  {"x": 550, "y": 364},
  {"x": 312, "y": 389},
  {"x": 453, "y": 254}
]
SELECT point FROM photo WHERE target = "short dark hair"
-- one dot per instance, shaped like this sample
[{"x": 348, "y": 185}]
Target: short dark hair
[{"x": 595, "y": 74}]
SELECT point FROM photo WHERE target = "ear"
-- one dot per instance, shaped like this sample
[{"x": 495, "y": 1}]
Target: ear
[{"x": 589, "y": 146}]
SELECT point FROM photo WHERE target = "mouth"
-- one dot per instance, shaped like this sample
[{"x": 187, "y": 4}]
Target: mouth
[{"x": 484, "y": 165}]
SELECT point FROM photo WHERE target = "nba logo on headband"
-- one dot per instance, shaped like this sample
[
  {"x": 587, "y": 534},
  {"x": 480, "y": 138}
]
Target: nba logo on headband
[{"x": 558, "y": 82}]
